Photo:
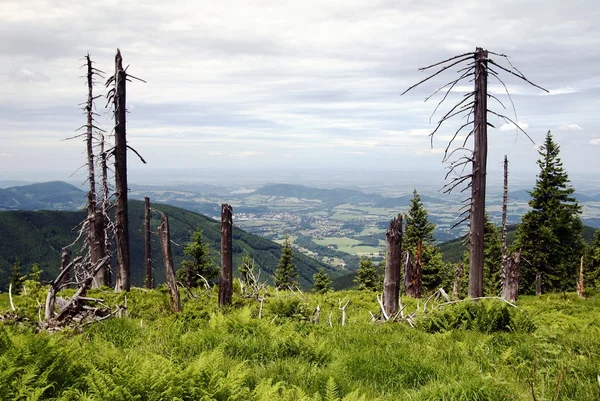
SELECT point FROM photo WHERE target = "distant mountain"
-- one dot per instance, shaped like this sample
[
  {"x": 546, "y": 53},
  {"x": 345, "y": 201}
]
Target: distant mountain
[
  {"x": 38, "y": 236},
  {"x": 54, "y": 195},
  {"x": 523, "y": 195},
  {"x": 337, "y": 196}
]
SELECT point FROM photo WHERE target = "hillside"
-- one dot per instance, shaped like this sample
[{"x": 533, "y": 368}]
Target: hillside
[
  {"x": 54, "y": 195},
  {"x": 38, "y": 236}
]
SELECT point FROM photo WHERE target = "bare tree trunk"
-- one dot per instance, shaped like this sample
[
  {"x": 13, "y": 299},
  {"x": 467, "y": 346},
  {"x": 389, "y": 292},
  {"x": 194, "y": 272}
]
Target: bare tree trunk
[
  {"x": 580, "y": 284},
  {"x": 393, "y": 263},
  {"x": 538, "y": 283},
  {"x": 510, "y": 282},
  {"x": 121, "y": 215},
  {"x": 477, "y": 213},
  {"x": 165, "y": 244},
  {"x": 98, "y": 249},
  {"x": 105, "y": 207},
  {"x": 226, "y": 279},
  {"x": 504, "y": 270},
  {"x": 148, "y": 242},
  {"x": 64, "y": 263},
  {"x": 457, "y": 278},
  {"x": 408, "y": 272}
]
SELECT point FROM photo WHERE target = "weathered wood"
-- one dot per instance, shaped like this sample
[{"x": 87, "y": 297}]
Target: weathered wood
[
  {"x": 538, "y": 283},
  {"x": 64, "y": 263},
  {"x": 478, "y": 184},
  {"x": 98, "y": 251},
  {"x": 408, "y": 271},
  {"x": 580, "y": 284},
  {"x": 512, "y": 275},
  {"x": 105, "y": 207},
  {"x": 226, "y": 278},
  {"x": 393, "y": 263},
  {"x": 165, "y": 244},
  {"x": 457, "y": 277},
  {"x": 120, "y": 152},
  {"x": 148, "y": 248},
  {"x": 415, "y": 287}
]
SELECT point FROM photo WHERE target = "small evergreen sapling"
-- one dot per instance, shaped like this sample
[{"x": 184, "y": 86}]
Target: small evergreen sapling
[
  {"x": 285, "y": 272},
  {"x": 321, "y": 281}
]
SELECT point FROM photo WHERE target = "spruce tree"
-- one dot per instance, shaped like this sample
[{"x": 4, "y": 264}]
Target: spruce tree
[
  {"x": 366, "y": 275},
  {"x": 285, "y": 272},
  {"x": 549, "y": 235},
  {"x": 200, "y": 263},
  {"x": 16, "y": 278},
  {"x": 418, "y": 228},
  {"x": 321, "y": 281}
]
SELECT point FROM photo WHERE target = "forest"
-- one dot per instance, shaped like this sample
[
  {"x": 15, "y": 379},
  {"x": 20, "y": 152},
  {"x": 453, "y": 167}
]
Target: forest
[{"x": 502, "y": 319}]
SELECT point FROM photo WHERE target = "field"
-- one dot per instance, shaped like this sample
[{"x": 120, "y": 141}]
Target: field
[{"x": 547, "y": 349}]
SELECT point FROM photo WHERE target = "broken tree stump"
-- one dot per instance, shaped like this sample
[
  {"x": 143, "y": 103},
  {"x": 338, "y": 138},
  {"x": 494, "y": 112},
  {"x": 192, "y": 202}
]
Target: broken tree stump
[
  {"x": 226, "y": 278},
  {"x": 393, "y": 262}
]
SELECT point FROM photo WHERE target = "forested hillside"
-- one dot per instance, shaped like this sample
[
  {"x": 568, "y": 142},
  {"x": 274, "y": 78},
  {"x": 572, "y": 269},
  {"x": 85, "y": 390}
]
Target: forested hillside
[
  {"x": 38, "y": 236},
  {"x": 54, "y": 195}
]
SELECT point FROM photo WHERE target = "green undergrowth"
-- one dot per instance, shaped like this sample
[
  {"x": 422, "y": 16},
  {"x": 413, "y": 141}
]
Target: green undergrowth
[{"x": 485, "y": 350}]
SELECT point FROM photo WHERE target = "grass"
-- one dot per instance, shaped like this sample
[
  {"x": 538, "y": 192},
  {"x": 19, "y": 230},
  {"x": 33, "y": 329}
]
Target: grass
[
  {"x": 467, "y": 351},
  {"x": 348, "y": 245}
]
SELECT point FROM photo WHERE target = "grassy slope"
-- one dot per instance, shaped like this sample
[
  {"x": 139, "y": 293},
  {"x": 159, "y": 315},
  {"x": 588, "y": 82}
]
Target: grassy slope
[
  {"x": 39, "y": 236},
  {"x": 233, "y": 355}
]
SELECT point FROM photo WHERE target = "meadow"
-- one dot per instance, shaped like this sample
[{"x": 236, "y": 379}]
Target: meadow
[{"x": 545, "y": 348}]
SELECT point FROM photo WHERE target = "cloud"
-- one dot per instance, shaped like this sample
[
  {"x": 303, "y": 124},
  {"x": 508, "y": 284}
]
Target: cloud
[
  {"x": 245, "y": 153},
  {"x": 5, "y": 155},
  {"x": 595, "y": 141},
  {"x": 25, "y": 75},
  {"x": 511, "y": 127},
  {"x": 570, "y": 127}
]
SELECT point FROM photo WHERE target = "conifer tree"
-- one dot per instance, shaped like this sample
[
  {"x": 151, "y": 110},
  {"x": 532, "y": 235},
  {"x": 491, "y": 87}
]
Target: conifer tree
[
  {"x": 16, "y": 278},
  {"x": 418, "y": 228},
  {"x": 321, "y": 281},
  {"x": 285, "y": 272},
  {"x": 366, "y": 275},
  {"x": 199, "y": 262},
  {"x": 549, "y": 235}
]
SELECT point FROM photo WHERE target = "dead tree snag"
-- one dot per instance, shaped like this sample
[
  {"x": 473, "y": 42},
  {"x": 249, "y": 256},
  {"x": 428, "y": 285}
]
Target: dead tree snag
[
  {"x": 474, "y": 107},
  {"x": 64, "y": 265},
  {"x": 457, "y": 278},
  {"x": 148, "y": 248},
  {"x": 165, "y": 244},
  {"x": 226, "y": 278},
  {"x": 118, "y": 96},
  {"x": 414, "y": 279},
  {"x": 511, "y": 276},
  {"x": 580, "y": 284},
  {"x": 393, "y": 263}
]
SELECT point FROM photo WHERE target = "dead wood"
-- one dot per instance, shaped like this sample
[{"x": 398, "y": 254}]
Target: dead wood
[
  {"x": 580, "y": 284},
  {"x": 148, "y": 245},
  {"x": 457, "y": 278},
  {"x": 393, "y": 263},
  {"x": 226, "y": 278},
  {"x": 165, "y": 242},
  {"x": 511, "y": 274}
]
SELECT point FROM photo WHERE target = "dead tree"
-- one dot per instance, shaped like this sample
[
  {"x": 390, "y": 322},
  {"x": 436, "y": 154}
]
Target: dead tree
[
  {"x": 148, "y": 248},
  {"x": 580, "y": 285},
  {"x": 538, "y": 284},
  {"x": 413, "y": 282},
  {"x": 64, "y": 264},
  {"x": 226, "y": 278},
  {"x": 474, "y": 108},
  {"x": 393, "y": 263},
  {"x": 106, "y": 223},
  {"x": 504, "y": 211},
  {"x": 457, "y": 278},
  {"x": 118, "y": 96},
  {"x": 165, "y": 244},
  {"x": 510, "y": 277}
]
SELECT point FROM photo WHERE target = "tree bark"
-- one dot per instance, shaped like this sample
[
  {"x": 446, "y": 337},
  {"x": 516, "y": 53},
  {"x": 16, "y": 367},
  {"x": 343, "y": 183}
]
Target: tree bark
[
  {"x": 226, "y": 279},
  {"x": 477, "y": 211},
  {"x": 148, "y": 248},
  {"x": 393, "y": 263},
  {"x": 105, "y": 207},
  {"x": 98, "y": 249},
  {"x": 64, "y": 264},
  {"x": 165, "y": 244},
  {"x": 580, "y": 284},
  {"x": 415, "y": 287},
  {"x": 121, "y": 214},
  {"x": 504, "y": 213},
  {"x": 538, "y": 283},
  {"x": 457, "y": 278},
  {"x": 512, "y": 275}
]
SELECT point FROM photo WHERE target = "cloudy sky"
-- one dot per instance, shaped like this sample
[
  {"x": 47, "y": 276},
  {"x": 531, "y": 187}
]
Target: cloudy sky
[{"x": 292, "y": 84}]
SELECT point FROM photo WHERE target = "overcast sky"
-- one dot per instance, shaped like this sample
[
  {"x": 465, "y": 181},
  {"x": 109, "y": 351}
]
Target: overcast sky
[{"x": 292, "y": 84}]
